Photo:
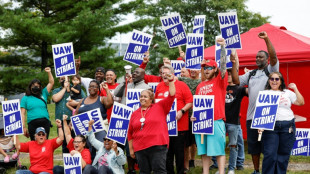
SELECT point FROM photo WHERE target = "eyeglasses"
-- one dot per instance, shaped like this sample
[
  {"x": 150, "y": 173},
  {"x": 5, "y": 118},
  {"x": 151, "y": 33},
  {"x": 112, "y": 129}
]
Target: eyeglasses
[
  {"x": 93, "y": 87},
  {"x": 274, "y": 79},
  {"x": 77, "y": 142},
  {"x": 41, "y": 134},
  {"x": 208, "y": 68}
]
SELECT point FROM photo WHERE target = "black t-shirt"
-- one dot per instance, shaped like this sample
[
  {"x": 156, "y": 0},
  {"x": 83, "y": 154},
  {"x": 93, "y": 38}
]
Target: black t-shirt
[
  {"x": 75, "y": 96},
  {"x": 234, "y": 95}
]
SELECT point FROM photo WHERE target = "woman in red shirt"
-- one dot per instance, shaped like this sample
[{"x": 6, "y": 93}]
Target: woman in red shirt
[
  {"x": 148, "y": 132},
  {"x": 76, "y": 145}
]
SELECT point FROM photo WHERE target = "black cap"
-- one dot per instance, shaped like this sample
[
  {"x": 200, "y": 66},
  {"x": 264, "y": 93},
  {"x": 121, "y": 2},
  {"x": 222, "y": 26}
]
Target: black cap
[{"x": 100, "y": 69}]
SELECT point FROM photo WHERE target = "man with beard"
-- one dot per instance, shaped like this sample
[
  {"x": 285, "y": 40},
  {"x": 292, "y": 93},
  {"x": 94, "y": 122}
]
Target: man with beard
[
  {"x": 99, "y": 75},
  {"x": 215, "y": 84},
  {"x": 256, "y": 81},
  {"x": 120, "y": 91},
  {"x": 184, "y": 103},
  {"x": 59, "y": 96}
]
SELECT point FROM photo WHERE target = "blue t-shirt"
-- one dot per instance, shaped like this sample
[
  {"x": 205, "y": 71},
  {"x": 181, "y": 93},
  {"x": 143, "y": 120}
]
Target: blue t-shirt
[{"x": 35, "y": 107}]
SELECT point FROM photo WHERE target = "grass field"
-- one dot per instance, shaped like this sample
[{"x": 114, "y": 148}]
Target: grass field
[{"x": 196, "y": 170}]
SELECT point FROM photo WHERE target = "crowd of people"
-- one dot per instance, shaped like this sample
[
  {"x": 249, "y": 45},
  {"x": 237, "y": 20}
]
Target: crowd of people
[{"x": 149, "y": 144}]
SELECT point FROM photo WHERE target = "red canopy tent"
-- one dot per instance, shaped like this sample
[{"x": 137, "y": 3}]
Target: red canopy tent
[{"x": 293, "y": 52}]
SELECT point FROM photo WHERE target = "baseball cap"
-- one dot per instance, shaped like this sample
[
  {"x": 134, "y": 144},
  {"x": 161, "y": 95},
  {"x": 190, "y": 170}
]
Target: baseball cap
[
  {"x": 100, "y": 69},
  {"x": 40, "y": 129},
  {"x": 210, "y": 62}
]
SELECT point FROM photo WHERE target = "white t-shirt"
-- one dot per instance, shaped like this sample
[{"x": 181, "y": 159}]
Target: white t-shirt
[
  {"x": 285, "y": 112},
  {"x": 85, "y": 82}
]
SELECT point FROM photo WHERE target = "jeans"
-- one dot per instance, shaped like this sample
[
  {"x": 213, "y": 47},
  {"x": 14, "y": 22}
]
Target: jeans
[
  {"x": 240, "y": 142},
  {"x": 152, "y": 158},
  {"x": 176, "y": 149},
  {"x": 240, "y": 151},
  {"x": 232, "y": 130},
  {"x": 28, "y": 172},
  {"x": 104, "y": 170},
  {"x": 277, "y": 147}
]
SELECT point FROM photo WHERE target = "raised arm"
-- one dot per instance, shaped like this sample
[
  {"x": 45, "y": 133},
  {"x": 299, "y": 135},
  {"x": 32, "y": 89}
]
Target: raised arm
[
  {"x": 145, "y": 60},
  {"x": 221, "y": 41},
  {"x": 60, "y": 137},
  {"x": 59, "y": 95},
  {"x": 235, "y": 67},
  {"x": 171, "y": 84},
  {"x": 66, "y": 129},
  {"x": 91, "y": 136},
  {"x": 300, "y": 99},
  {"x": 270, "y": 48},
  {"x": 77, "y": 64},
  {"x": 50, "y": 84},
  {"x": 108, "y": 100}
]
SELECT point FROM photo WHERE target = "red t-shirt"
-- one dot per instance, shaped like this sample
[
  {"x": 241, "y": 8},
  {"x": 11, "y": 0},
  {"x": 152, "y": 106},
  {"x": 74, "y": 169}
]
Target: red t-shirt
[
  {"x": 150, "y": 78},
  {"x": 85, "y": 152},
  {"x": 217, "y": 87},
  {"x": 183, "y": 95},
  {"x": 103, "y": 93},
  {"x": 41, "y": 155},
  {"x": 155, "y": 129}
]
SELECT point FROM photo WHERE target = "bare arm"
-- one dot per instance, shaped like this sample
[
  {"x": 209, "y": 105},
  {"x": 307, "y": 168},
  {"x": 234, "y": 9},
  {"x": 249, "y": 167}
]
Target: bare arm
[
  {"x": 23, "y": 112},
  {"x": 77, "y": 64},
  {"x": 75, "y": 90},
  {"x": 78, "y": 107},
  {"x": 108, "y": 100},
  {"x": 50, "y": 84},
  {"x": 270, "y": 48},
  {"x": 66, "y": 129},
  {"x": 235, "y": 66},
  {"x": 60, "y": 137},
  {"x": 300, "y": 99},
  {"x": 59, "y": 95},
  {"x": 132, "y": 152}
]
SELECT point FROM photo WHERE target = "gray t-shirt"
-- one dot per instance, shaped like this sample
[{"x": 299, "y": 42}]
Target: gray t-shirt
[
  {"x": 120, "y": 89},
  {"x": 256, "y": 83}
]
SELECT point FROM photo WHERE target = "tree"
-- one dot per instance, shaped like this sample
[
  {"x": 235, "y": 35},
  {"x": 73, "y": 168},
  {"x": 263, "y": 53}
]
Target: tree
[
  {"x": 32, "y": 26},
  {"x": 152, "y": 11}
]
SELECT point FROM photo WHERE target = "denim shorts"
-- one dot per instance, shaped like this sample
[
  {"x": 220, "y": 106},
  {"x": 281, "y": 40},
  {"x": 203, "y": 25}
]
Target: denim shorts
[
  {"x": 254, "y": 146},
  {"x": 213, "y": 145}
]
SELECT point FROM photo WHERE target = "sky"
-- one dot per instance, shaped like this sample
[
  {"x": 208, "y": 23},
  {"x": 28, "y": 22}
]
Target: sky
[{"x": 292, "y": 14}]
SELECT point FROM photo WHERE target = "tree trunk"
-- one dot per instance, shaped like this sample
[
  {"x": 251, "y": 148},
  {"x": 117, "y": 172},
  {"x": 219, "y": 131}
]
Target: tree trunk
[{"x": 44, "y": 56}]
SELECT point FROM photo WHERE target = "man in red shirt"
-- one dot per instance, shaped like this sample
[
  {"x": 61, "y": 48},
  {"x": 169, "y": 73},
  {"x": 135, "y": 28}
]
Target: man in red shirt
[
  {"x": 215, "y": 84},
  {"x": 184, "y": 103},
  {"x": 41, "y": 150}
]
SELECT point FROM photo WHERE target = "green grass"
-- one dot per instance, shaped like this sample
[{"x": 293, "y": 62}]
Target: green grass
[{"x": 196, "y": 170}]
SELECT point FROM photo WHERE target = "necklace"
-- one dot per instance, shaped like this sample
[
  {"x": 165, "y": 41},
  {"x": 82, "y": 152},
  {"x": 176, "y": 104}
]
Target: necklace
[{"x": 142, "y": 119}]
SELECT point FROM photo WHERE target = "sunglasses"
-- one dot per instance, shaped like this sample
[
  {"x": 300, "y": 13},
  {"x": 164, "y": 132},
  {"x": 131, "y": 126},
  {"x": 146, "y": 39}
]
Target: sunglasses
[
  {"x": 41, "y": 134},
  {"x": 208, "y": 68},
  {"x": 77, "y": 142},
  {"x": 105, "y": 139},
  {"x": 274, "y": 79}
]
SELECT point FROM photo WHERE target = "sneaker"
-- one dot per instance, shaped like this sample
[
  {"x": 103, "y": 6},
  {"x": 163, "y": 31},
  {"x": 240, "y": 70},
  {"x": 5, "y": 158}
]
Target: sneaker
[
  {"x": 191, "y": 163},
  {"x": 7, "y": 159},
  {"x": 240, "y": 168},
  {"x": 186, "y": 170},
  {"x": 255, "y": 172},
  {"x": 14, "y": 156},
  {"x": 213, "y": 167},
  {"x": 231, "y": 172},
  {"x": 217, "y": 172}
]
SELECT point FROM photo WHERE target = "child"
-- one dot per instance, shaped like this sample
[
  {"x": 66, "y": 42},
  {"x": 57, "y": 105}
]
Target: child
[
  {"x": 7, "y": 142},
  {"x": 75, "y": 93}
]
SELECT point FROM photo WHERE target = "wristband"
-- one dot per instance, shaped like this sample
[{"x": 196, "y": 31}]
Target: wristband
[
  {"x": 59, "y": 126},
  {"x": 182, "y": 111},
  {"x": 171, "y": 80}
]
